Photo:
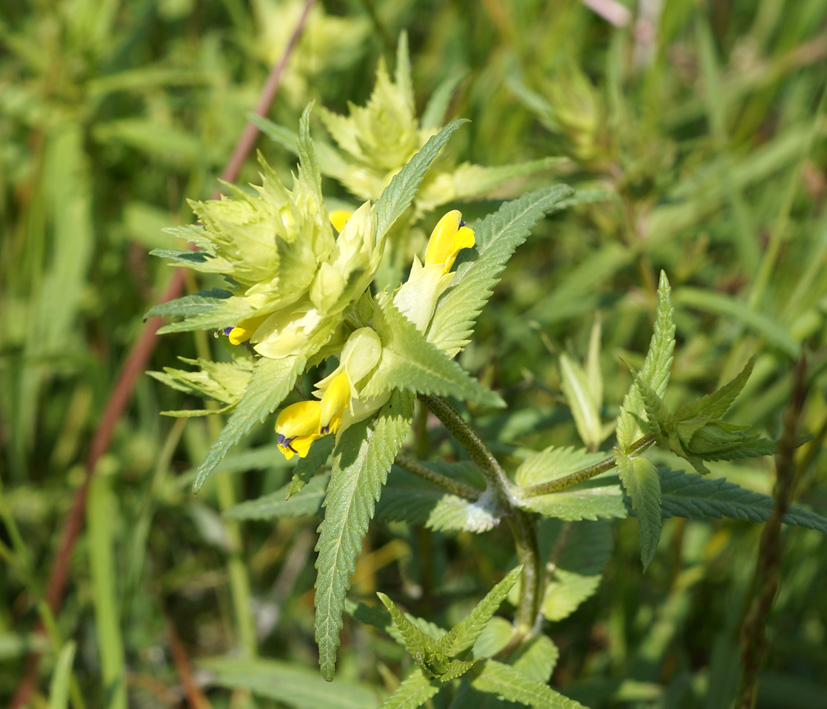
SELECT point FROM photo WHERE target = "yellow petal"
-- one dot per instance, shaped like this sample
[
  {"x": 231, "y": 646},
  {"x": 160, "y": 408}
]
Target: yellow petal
[
  {"x": 447, "y": 239},
  {"x": 245, "y": 329},
  {"x": 339, "y": 217},
  {"x": 335, "y": 400},
  {"x": 300, "y": 419}
]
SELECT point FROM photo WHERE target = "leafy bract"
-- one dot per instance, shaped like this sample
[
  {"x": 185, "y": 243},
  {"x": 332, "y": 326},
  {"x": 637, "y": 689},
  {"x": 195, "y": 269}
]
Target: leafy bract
[
  {"x": 410, "y": 362},
  {"x": 497, "y": 236},
  {"x": 414, "y": 691},
  {"x": 311, "y": 464},
  {"x": 270, "y": 382},
  {"x": 223, "y": 381},
  {"x": 587, "y": 503},
  {"x": 361, "y": 461},
  {"x": 642, "y": 484},
  {"x": 655, "y": 370}
]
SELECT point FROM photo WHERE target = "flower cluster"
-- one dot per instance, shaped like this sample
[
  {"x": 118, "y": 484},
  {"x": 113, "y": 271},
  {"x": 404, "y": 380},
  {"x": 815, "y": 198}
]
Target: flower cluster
[{"x": 340, "y": 402}]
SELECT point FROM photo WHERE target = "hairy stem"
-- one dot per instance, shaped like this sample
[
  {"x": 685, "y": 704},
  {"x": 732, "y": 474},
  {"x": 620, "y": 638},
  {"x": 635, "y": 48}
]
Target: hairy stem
[
  {"x": 453, "y": 486},
  {"x": 586, "y": 473},
  {"x": 519, "y": 521}
]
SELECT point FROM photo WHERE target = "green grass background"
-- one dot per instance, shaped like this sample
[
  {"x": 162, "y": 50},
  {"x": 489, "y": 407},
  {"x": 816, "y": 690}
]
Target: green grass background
[{"x": 707, "y": 123}]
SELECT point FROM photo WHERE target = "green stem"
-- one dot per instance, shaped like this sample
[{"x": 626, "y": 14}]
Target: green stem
[
  {"x": 467, "y": 437},
  {"x": 519, "y": 521},
  {"x": 453, "y": 486},
  {"x": 586, "y": 473}
]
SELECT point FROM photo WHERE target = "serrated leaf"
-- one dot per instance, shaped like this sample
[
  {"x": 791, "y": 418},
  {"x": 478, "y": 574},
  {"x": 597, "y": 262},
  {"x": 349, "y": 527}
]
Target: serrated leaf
[
  {"x": 277, "y": 504},
  {"x": 506, "y": 682},
  {"x": 452, "y": 513},
  {"x": 577, "y": 573},
  {"x": 493, "y": 638},
  {"x": 536, "y": 658},
  {"x": 553, "y": 464},
  {"x": 222, "y": 381},
  {"x": 716, "y": 404},
  {"x": 655, "y": 370},
  {"x": 210, "y": 310},
  {"x": 591, "y": 503},
  {"x": 463, "y": 635},
  {"x": 270, "y": 382},
  {"x": 695, "y": 497},
  {"x": 413, "y": 692},
  {"x": 361, "y": 461},
  {"x": 399, "y": 194},
  {"x": 641, "y": 482},
  {"x": 379, "y": 619},
  {"x": 290, "y": 684},
  {"x": 475, "y": 180},
  {"x": 197, "y": 260},
  {"x": 417, "y": 643},
  {"x": 311, "y": 464},
  {"x": 657, "y": 415},
  {"x": 497, "y": 236},
  {"x": 410, "y": 362}
]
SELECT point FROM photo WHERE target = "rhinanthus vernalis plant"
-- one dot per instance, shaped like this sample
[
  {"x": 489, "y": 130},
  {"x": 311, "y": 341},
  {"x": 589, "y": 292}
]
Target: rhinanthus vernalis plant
[{"x": 303, "y": 293}]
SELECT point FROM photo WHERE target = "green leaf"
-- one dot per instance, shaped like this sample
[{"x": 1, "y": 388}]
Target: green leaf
[
  {"x": 399, "y": 194},
  {"x": 716, "y": 404},
  {"x": 291, "y": 684},
  {"x": 655, "y": 370},
  {"x": 418, "y": 644},
  {"x": 437, "y": 105},
  {"x": 222, "y": 381},
  {"x": 494, "y": 637},
  {"x": 271, "y": 381},
  {"x": 463, "y": 635},
  {"x": 208, "y": 310},
  {"x": 657, "y": 415},
  {"x": 413, "y": 692},
  {"x": 642, "y": 484},
  {"x": 507, "y": 682},
  {"x": 475, "y": 180},
  {"x": 536, "y": 658},
  {"x": 579, "y": 394},
  {"x": 361, "y": 461},
  {"x": 555, "y": 463},
  {"x": 408, "y": 498},
  {"x": 578, "y": 570},
  {"x": 497, "y": 236},
  {"x": 589, "y": 503},
  {"x": 695, "y": 497},
  {"x": 410, "y": 362},
  {"x": 311, "y": 464},
  {"x": 277, "y": 504},
  {"x": 59, "y": 686}
]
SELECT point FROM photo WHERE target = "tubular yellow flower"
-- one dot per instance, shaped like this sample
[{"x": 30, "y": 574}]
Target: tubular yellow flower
[
  {"x": 339, "y": 217},
  {"x": 335, "y": 401},
  {"x": 297, "y": 427},
  {"x": 245, "y": 329},
  {"x": 448, "y": 238}
]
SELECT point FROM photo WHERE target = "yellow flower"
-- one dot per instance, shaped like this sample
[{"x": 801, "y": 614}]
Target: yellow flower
[
  {"x": 297, "y": 427},
  {"x": 335, "y": 401},
  {"x": 245, "y": 329},
  {"x": 416, "y": 299},
  {"x": 448, "y": 238},
  {"x": 339, "y": 217}
]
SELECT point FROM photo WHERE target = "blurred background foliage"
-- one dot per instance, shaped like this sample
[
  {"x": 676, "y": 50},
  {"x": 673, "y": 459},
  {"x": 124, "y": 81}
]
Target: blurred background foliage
[{"x": 705, "y": 121}]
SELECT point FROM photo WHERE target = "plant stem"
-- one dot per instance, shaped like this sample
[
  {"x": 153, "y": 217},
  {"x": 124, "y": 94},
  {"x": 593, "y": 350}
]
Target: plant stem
[
  {"x": 519, "y": 521},
  {"x": 467, "y": 437},
  {"x": 586, "y": 473},
  {"x": 453, "y": 486}
]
